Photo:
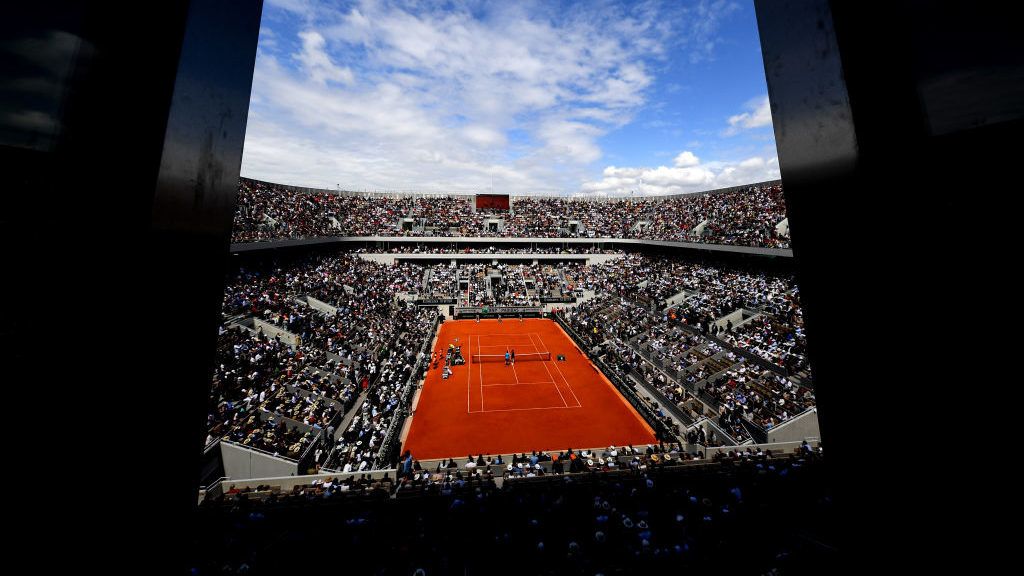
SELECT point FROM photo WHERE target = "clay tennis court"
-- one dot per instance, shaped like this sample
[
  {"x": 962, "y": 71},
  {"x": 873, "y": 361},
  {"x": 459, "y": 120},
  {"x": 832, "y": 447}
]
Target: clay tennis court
[{"x": 538, "y": 403}]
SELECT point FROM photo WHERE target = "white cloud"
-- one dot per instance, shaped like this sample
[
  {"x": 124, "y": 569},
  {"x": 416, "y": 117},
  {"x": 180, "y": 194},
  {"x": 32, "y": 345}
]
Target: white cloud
[
  {"x": 755, "y": 169},
  {"x": 687, "y": 175},
  {"x": 568, "y": 141},
  {"x": 317, "y": 64},
  {"x": 759, "y": 114},
  {"x": 305, "y": 8},
  {"x": 267, "y": 39},
  {"x": 686, "y": 159},
  {"x": 380, "y": 85},
  {"x": 484, "y": 136},
  {"x": 386, "y": 95},
  {"x": 702, "y": 26}
]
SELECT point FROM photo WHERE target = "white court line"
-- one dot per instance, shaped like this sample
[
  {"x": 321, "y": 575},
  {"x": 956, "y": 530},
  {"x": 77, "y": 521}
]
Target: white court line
[
  {"x": 469, "y": 372},
  {"x": 550, "y": 375},
  {"x": 520, "y": 384},
  {"x": 522, "y": 409},
  {"x": 534, "y": 344},
  {"x": 564, "y": 379},
  {"x": 514, "y": 372},
  {"x": 481, "y": 366}
]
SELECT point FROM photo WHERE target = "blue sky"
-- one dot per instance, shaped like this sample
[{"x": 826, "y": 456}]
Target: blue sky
[{"x": 571, "y": 98}]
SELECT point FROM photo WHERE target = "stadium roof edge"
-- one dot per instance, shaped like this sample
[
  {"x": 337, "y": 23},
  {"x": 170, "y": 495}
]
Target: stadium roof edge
[{"x": 436, "y": 194}]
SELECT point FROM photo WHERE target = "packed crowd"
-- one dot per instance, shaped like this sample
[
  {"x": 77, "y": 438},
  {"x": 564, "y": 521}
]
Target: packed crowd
[
  {"x": 699, "y": 375},
  {"x": 612, "y": 510},
  {"x": 251, "y": 374},
  {"x": 552, "y": 281},
  {"x": 609, "y": 324},
  {"x": 770, "y": 326},
  {"x": 357, "y": 447},
  {"x": 511, "y": 290},
  {"x": 746, "y": 217},
  {"x": 353, "y": 336},
  {"x": 776, "y": 335},
  {"x": 759, "y": 396},
  {"x": 446, "y": 216},
  {"x": 356, "y": 335},
  {"x": 411, "y": 476},
  {"x": 442, "y": 281},
  {"x": 478, "y": 291},
  {"x": 656, "y": 517},
  {"x": 267, "y": 211}
]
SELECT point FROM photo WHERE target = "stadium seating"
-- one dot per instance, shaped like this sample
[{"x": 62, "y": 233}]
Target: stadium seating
[
  {"x": 326, "y": 371},
  {"x": 744, "y": 217},
  {"x": 646, "y": 515}
]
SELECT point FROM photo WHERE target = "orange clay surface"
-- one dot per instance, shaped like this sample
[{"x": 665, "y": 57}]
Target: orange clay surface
[{"x": 491, "y": 408}]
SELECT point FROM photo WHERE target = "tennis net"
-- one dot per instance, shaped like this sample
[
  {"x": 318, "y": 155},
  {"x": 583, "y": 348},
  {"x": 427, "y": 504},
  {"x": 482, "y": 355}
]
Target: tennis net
[{"x": 527, "y": 357}]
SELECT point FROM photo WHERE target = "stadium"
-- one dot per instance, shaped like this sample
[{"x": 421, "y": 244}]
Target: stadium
[
  {"x": 381, "y": 324},
  {"x": 402, "y": 345},
  {"x": 416, "y": 288}
]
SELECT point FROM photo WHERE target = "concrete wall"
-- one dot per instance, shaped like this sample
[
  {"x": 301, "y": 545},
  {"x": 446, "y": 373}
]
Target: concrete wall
[
  {"x": 587, "y": 295},
  {"x": 783, "y": 227},
  {"x": 720, "y": 435},
  {"x": 286, "y": 483},
  {"x": 737, "y": 317},
  {"x": 245, "y": 323},
  {"x": 381, "y": 258},
  {"x": 698, "y": 230},
  {"x": 678, "y": 298},
  {"x": 786, "y": 447},
  {"x": 804, "y": 426},
  {"x": 598, "y": 258},
  {"x": 271, "y": 331},
  {"x": 241, "y": 462},
  {"x": 499, "y": 222},
  {"x": 320, "y": 305}
]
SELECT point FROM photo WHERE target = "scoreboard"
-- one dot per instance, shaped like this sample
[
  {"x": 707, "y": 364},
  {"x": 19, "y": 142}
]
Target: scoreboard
[{"x": 492, "y": 201}]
